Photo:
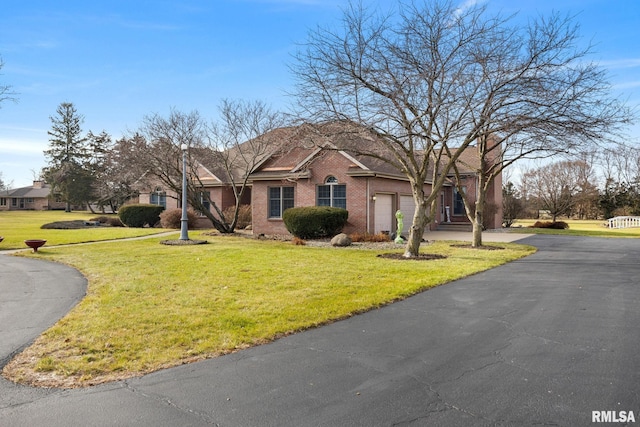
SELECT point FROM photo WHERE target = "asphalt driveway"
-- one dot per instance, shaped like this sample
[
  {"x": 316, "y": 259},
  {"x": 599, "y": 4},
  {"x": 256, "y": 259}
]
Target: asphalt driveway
[{"x": 541, "y": 341}]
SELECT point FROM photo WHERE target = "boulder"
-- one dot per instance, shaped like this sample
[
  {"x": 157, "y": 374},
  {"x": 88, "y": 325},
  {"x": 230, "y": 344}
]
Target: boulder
[{"x": 341, "y": 240}]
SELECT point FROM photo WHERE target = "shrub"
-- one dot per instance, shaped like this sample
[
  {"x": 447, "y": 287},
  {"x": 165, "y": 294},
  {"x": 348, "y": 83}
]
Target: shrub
[
  {"x": 298, "y": 241},
  {"x": 367, "y": 237},
  {"x": 113, "y": 221},
  {"x": 172, "y": 218},
  {"x": 555, "y": 225},
  {"x": 140, "y": 215},
  {"x": 244, "y": 215},
  {"x": 312, "y": 222}
]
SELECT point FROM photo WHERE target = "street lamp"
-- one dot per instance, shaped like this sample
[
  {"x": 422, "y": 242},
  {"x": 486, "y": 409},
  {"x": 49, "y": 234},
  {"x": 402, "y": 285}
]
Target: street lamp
[{"x": 184, "y": 221}]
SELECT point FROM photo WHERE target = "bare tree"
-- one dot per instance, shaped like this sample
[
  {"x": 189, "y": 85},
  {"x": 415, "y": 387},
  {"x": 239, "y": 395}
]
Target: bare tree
[
  {"x": 434, "y": 79},
  {"x": 557, "y": 185},
  {"x": 230, "y": 147},
  {"x": 4, "y": 186},
  {"x": 620, "y": 194},
  {"x": 239, "y": 141},
  {"x": 6, "y": 92}
]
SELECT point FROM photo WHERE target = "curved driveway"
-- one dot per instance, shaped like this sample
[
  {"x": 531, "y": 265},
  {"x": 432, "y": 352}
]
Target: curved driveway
[{"x": 541, "y": 341}]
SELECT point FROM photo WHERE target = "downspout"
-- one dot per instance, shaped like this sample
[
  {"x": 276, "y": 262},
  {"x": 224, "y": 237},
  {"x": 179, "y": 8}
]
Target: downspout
[{"x": 368, "y": 206}]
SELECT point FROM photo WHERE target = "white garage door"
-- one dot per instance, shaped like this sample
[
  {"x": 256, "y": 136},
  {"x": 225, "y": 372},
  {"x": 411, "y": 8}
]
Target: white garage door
[
  {"x": 383, "y": 213},
  {"x": 408, "y": 208}
]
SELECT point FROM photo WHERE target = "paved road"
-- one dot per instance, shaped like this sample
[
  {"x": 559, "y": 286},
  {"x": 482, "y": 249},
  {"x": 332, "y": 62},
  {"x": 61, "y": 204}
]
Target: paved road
[{"x": 541, "y": 341}]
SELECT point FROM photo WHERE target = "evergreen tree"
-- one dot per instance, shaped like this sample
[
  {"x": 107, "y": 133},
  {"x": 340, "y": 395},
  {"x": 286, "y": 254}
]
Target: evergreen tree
[{"x": 68, "y": 155}]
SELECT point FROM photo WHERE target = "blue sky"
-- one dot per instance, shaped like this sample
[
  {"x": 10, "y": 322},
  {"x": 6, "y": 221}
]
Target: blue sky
[{"x": 118, "y": 61}]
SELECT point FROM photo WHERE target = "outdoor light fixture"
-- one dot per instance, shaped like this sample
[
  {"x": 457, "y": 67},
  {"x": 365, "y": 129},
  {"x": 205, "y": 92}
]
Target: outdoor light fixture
[{"x": 184, "y": 221}]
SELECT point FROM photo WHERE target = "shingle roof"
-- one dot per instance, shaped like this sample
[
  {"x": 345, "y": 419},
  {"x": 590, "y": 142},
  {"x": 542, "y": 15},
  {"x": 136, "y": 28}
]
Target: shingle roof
[
  {"x": 28, "y": 192},
  {"x": 292, "y": 149},
  {"x": 300, "y": 145}
]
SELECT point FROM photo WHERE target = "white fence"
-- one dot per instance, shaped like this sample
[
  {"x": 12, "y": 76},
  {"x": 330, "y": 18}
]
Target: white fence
[{"x": 624, "y": 222}]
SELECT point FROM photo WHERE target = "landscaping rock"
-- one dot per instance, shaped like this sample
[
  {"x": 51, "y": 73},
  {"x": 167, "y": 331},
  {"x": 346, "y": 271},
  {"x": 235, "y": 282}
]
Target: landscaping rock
[{"x": 341, "y": 240}]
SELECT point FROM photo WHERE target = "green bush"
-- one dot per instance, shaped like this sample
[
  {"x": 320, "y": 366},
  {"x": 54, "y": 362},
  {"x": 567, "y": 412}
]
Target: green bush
[
  {"x": 172, "y": 218},
  {"x": 140, "y": 215},
  {"x": 312, "y": 222}
]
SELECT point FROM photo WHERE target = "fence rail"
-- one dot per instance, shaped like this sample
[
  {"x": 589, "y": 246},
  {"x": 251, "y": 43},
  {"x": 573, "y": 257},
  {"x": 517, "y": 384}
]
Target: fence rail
[{"x": 624, "y": 222}]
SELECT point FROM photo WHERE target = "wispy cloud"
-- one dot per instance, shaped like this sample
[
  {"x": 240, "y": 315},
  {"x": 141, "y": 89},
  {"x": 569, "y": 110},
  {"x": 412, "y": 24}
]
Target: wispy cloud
[
  {"x": 621, "y": 63},
  {"x": 23, "y": 147},
  {"x": 467, "y": 4},
  {"x": 627, "y": 85}
]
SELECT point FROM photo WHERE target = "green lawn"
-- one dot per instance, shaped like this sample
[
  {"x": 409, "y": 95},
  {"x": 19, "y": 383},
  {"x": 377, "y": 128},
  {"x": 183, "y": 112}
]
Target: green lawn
[
  {"x": 18, "y": 226},
  {"x": 594, "y": 228},
  {"x": 170, "y": 305}
]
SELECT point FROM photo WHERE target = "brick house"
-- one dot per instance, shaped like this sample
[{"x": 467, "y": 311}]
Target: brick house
[
  {"x": 306, "y": 172},
  {"x": 370, "y": 189},
  {"x": 35, "y": 197}
]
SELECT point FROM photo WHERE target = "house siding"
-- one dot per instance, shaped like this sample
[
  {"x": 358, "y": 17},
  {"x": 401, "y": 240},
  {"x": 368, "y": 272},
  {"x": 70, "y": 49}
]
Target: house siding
[{"x": 360, "y": 193}]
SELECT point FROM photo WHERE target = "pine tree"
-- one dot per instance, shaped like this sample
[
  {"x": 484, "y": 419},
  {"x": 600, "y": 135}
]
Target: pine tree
[{"x": 68, "y": 155}]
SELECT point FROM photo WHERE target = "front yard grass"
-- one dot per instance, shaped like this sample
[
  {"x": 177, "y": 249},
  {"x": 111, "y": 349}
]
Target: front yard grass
[
  {"x": 18, "y": 226},
  {"x": 170, "y": 305}
]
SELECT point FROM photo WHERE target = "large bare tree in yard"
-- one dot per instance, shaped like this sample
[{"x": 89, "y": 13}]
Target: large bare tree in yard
[
  {"x": 559, "y": 186},
  {"x": 238, "y": 141},
  {"x": 230, "y": 147},
  {"x": 434, "y": 79},
  {"x": 543, "y": 98}
]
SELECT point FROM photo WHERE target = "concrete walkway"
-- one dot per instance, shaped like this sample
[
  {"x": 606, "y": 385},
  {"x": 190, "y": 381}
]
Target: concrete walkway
[
  {"x": 487, "y": 236},
  {"x": 544, "y": 340}
]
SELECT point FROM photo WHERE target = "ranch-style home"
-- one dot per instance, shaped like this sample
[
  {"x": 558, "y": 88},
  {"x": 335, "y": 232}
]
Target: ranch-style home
[
  {"x": 307, "y": 172},
  {"x": 34, "y": 197}
]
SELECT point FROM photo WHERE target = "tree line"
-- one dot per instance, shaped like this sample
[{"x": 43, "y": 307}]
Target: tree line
[
  {"x": 95, "y": 171},
  {"x": 598, "y": 185}
]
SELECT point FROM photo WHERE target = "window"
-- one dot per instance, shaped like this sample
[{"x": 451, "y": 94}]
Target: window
[
  {"x": 14, "y": 202},
  {"x": 159, "y": 197},
  {"x": 280, "y": 199},
  {"x": 458, "y": 203},
  {"x": 332, "y": 194},
  {"x": 205, "y": 196},
  {"x": 3, "y": 201}
]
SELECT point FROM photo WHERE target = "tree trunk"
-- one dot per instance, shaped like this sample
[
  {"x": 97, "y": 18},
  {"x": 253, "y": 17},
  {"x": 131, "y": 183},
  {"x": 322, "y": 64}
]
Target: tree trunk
[
  {"x": 419, "y": 223},
  {"x": 477, "y": 222}
]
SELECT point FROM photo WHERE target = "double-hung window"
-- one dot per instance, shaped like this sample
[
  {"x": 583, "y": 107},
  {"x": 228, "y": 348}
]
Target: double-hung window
[
  {"x": 280, "y": 199},
  {"x": 332, "y": 194},
  {"x": 159, "y": 197}
]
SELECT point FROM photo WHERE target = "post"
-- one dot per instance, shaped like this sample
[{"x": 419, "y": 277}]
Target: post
[{"x": 184, "y": 221}]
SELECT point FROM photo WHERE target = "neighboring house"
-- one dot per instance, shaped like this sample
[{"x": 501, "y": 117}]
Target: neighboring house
[
  {"x": 35, "y": 197},
  {"x": 304, "y": 173}
]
